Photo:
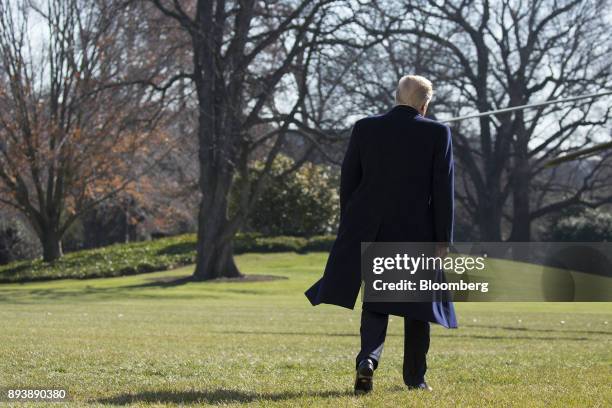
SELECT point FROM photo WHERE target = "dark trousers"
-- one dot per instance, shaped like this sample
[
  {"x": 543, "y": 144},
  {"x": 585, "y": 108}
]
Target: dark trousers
[{"x": 416, "y": 344}]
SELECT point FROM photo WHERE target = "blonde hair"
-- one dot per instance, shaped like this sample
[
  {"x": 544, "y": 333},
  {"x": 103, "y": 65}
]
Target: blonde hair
[{"x": 413, "y": 90}]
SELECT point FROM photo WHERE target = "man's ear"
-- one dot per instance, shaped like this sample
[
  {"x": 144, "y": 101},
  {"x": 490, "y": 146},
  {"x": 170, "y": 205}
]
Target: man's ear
[{"x": 424, "y": 109}]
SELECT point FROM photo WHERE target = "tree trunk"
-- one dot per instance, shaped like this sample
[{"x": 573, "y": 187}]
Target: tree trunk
[
  {"x": 489, "y": 222},
  {"x": 51, "y": 243},
  {"x": 219, "y": 133},
  {"x": 521, "y": 217},
  {"x": 215, "y": 256},
  {"x": 215, "y": 260},
  {"x": 521, "y": 222}
]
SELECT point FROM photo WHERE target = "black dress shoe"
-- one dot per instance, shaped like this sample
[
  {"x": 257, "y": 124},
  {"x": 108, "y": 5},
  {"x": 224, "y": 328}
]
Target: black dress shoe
[
  {"x": 421, "y": 386},
  {"x": 365, "y": 372}
]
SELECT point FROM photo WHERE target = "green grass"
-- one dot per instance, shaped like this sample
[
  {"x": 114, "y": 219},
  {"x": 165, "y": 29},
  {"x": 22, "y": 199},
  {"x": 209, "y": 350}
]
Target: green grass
[
  {"x": 147, "y": 256},
  {"x": 141, "y": 341}
]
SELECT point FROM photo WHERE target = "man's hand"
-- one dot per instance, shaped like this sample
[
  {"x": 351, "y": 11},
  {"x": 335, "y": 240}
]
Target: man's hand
[{"x": 442, "y": 249}]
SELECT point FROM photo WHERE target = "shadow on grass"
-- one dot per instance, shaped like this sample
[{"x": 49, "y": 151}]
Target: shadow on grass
[
  {"x": 529, "y": 329},
  {"x": 34, "y": 296},
  {"x": 21, "y": 296},
  {"x": 162, "y": 282},
  {"x": 165, "y": 282},
  {"x": 471, "y": 336},
  {"x": 218, "y": 396}
]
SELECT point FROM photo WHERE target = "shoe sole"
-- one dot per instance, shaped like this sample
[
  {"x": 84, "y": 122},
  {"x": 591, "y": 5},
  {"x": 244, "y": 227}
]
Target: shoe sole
[
  {"x": 428, "y": 389},
  {"x": 364, "y": 379}
]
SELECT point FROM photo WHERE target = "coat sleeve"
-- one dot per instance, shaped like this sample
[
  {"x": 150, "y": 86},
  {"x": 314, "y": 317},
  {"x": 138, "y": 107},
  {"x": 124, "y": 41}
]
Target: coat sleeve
[
  {"x": 443, "y": 188},
  {"x": 350, "y": 173}
]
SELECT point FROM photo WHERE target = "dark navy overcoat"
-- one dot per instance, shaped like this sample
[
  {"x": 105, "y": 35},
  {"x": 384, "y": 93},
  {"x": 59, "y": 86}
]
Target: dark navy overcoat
[{"x": 396, "y": 186}]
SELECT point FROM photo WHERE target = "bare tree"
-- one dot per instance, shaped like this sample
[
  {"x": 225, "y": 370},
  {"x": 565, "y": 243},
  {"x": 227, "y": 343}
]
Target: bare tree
[
  {"x": 495, "y": 54},
  {"x": 250, "y": 67},
  {"x": 67, "y": 134}
]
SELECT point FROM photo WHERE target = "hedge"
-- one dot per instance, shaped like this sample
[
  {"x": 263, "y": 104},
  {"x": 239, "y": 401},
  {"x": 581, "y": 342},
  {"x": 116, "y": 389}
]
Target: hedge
[{"x": 146, "y": 256}]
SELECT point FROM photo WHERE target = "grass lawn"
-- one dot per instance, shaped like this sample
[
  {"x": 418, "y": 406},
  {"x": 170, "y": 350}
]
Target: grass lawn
[{"x": 143, "y": 340}]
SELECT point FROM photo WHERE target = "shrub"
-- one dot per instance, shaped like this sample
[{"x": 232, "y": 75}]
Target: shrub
[
  {"x": 17, "y": 241},
  {"x": 269, "y": 244},
  {"x": 585, "y": 226},
  {"x": 301, "y": 203},
  {"x": 146, "y": 256},
  {"x": 319, "y": 243}
]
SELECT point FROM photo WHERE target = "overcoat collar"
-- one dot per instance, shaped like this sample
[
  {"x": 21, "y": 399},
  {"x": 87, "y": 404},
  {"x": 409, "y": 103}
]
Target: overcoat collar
[{"x": 404, "y": 109}]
